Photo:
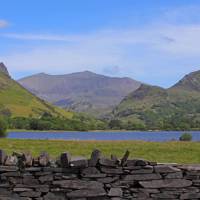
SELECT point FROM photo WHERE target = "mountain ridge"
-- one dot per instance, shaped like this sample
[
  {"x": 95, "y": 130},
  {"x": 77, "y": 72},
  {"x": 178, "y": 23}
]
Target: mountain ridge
[
  {"x": 81, "y": 91},
  {"x": 18, "y": 102},
  {"x": 154, "y": 107}
]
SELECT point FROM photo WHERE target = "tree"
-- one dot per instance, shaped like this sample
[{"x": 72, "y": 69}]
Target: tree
[
  {"x": 115, "y": 124},
  {"x": 186, "y": 137},
  {"x": 3, "y": 128}
]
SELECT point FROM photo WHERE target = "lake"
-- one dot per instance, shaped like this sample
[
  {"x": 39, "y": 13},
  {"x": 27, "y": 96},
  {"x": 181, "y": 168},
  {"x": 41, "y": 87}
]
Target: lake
[{"x": 157, "y": 136}]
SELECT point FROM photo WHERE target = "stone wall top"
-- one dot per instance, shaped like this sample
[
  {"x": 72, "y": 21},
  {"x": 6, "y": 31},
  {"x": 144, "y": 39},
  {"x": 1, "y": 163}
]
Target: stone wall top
[{"x": 25, "y": 178}]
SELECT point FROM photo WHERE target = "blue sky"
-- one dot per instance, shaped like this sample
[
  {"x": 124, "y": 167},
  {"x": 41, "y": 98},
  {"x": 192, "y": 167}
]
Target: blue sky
[{"x": 156, "y": 42}]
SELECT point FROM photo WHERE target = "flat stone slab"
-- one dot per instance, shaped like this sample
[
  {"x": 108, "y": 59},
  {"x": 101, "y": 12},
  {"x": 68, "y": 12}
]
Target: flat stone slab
[
  {"x": 190, "y": 167},
  {"x": 165, "y": 169},
  {"x": 142, "y": 177},
  {"x": 87, "y": 193},
  {"x": 78, "y": 184},
  {"x": 167, "y": 183},
  {"x": 115, "y": 192}
]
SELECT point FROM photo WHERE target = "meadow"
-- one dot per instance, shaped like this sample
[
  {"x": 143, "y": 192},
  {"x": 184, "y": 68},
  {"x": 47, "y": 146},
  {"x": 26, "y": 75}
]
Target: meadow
[{"x": 172, "y": 152}]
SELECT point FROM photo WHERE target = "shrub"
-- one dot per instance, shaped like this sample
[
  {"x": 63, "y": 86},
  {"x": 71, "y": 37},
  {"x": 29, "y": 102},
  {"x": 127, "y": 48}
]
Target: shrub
[
  {"x": 3, "y": 128},
  {"x": 185, "y": 137}
]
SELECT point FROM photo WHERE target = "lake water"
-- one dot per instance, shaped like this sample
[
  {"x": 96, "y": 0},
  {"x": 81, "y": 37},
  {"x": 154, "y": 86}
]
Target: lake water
[{"x": 158, "y": 136}]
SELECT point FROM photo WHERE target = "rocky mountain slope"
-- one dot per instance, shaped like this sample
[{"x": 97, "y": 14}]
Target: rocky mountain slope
[
  {"x": 158, "y": 108},
  {"x": 17, "y": 101},
  {"x": 82, "y": 91}
]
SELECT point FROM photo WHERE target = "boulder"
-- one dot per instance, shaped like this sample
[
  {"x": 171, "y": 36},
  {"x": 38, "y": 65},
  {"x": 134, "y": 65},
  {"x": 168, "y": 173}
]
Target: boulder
[
  {"x": 11, "y": 161},
  {"x": 95, "y": 156},
  {"x": 28, "y": 159},
  {"x": 65, "y": 159},
  {"x": 44, "y": 159},
  {"x": 125, "y": 158}
]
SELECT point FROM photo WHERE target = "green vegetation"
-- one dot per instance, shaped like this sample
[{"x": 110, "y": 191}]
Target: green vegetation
[
  {"x": 178, "y": 152},
  {"x": 79, "y": 122},
  {"x": 3, "y": 128},
  {"x": 155, "y": 108},
  {"x": 186, "y": 137},
  {"x": 22, "y": 110},
  {"x": 16, "y": 101}
]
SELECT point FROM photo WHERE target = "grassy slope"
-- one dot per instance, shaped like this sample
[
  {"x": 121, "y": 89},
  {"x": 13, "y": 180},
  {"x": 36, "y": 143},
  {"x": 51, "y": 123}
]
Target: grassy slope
[
  {"x": 160, "y": 102},
  {"x": 179, "y": 152},
  {"x": 151, "y": 103},
  {"x": 21, "y": 102}
]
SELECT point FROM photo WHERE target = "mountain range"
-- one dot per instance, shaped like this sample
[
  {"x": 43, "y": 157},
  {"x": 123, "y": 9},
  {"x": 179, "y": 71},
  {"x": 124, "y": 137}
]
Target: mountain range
[
  {"x": 81, "y": 92},
  {"x": 158, "y": 108},
  {"x": 123, "y": 103}
]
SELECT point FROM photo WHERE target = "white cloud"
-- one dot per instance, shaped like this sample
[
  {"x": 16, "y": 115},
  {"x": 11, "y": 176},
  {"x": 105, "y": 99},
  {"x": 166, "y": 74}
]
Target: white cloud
[
  {"x": 3, "y": 23},
  {"x": 64, "y": 38},
  {"x": 149, "y": 53}
]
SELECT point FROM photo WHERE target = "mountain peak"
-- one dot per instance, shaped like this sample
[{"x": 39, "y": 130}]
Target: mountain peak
[
  {"x": 3, "y": 69},
  {"x": 190, "y": 81},
  {"x": 146, "y": 90}
]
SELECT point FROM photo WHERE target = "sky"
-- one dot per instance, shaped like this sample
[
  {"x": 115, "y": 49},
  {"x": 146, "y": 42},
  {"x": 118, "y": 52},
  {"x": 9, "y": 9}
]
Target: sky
[{"x": 154, "y": 41}]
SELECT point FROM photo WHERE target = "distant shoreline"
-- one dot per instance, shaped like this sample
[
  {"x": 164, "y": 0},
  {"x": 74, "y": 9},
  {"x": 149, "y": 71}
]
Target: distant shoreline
[{"x": 60, "y": 131}]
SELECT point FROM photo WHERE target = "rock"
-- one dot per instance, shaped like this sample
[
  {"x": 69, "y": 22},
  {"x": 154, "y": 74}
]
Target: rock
[
  {"x": 47, "y": 178},
  {"x": 78, "y": 184},
  {"x": 18, "y": 189},
  {"x": 174, "y": 175},
  {"x": 115, "y": 192},
  {"x": 2, "y": 157},
  {"x": 141, "y": 163},
  {"x": 117, "y": 170},
  {"x": 65, "y": 159},
  {"x": 190, "y": 167},
  {"x": 164, "y": 195},
  {"x": 96, "y": 155},
  {"x": 108, "y": 179},
  {"x": 31, "y": 194},
  {"x": 167, "y": 183},
  {"x": 125, "y": 158},
  {"x": 33, "y": 169},
  {"x": 52, "y": 196},
  {"x": 8, "y": 168},
  {"x": 107, "y": 162},
  {"x": 87, "y": 193},
  {"x": 190, "y": 196},
  {"x": 44, "y": 159},
  {"x": 30, "y": 180},
  {"x": 165, "y": 169},
  {"x": 144, "y": 170},
  {"x": 27, "y": 159},
  {"x": 79, "y": 163},
  {"x": 141, "y": 177},
  {"x": 90, "y": 170},
  {"x": 11, "y": 161}
]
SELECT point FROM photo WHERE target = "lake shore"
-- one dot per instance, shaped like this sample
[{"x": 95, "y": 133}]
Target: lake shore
[{"x": 60, "y": 131}]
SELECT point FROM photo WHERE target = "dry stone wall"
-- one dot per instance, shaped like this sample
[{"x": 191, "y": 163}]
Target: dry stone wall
[{"x": 98, "y": 178}]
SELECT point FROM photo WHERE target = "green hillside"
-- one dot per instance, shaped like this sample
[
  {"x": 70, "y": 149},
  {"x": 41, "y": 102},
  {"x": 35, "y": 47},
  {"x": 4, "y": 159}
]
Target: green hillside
[
  {"x": 152, "y": 107},
  {"x": 17, "y": 101}
]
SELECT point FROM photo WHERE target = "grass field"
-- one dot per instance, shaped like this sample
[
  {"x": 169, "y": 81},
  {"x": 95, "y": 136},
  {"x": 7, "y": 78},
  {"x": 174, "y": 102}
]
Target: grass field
[{"x": 178, "y": 152}]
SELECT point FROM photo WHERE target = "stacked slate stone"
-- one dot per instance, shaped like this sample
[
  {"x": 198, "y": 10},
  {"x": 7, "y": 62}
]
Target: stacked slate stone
[{"x": 26, "y": 178}]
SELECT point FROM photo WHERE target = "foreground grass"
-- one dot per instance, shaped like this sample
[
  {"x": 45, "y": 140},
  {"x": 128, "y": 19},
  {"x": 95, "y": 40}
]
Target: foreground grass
[{"x": 178, "y": 152}]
